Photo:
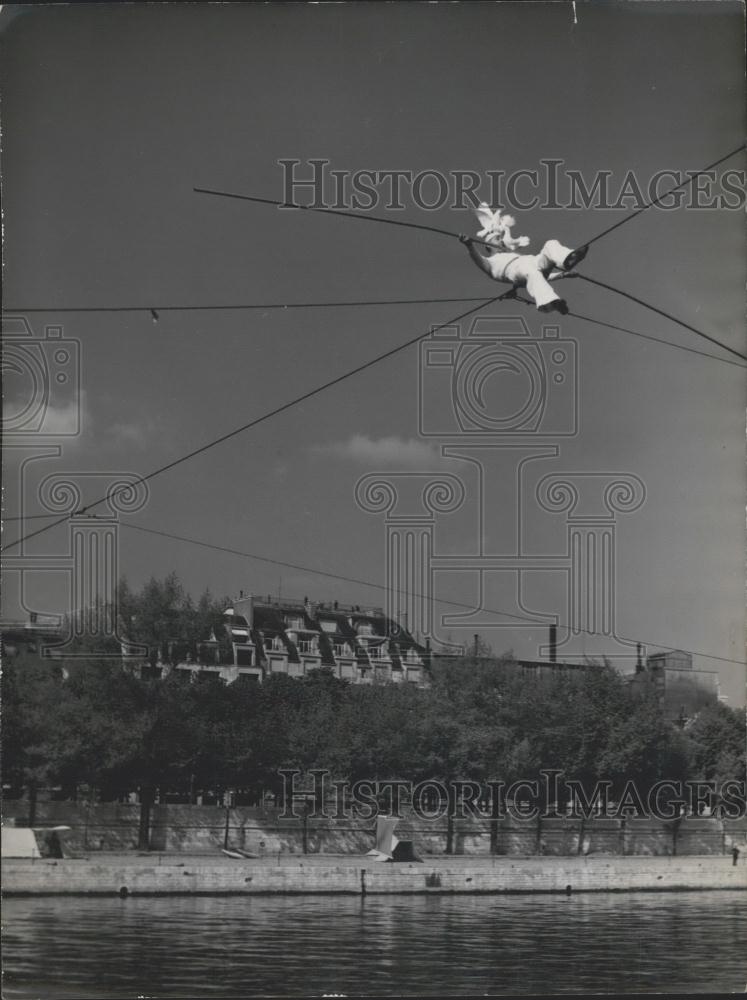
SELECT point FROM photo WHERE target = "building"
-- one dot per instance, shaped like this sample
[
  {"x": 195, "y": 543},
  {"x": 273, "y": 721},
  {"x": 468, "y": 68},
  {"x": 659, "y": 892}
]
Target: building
[
  {"x": 672, "y": 660},
  {"x": 682, "y": 689},
  {"x": 545, "y": 668},
  {"x": 285, "y": 636},
  {"x": 536, "y": 669},
  {"x": 265, "y": 636}
]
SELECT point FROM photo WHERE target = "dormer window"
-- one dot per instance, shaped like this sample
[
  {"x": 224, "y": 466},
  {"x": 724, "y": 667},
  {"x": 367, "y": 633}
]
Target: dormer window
[{"x": 294, "y": 622}]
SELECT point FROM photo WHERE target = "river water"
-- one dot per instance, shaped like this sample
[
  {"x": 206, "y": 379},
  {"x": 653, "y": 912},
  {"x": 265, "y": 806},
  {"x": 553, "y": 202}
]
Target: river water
[{"x": 228, "y": 946}]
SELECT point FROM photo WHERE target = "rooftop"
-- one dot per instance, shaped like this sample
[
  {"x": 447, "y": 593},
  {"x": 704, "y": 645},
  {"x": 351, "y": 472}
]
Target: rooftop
[{"x": 290, "y": 603}]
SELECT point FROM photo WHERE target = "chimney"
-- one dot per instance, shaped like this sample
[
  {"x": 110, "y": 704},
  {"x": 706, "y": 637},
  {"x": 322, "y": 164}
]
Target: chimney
[
  {"x": 639, "y": 659},
  {"x": 553, "y": 644}
]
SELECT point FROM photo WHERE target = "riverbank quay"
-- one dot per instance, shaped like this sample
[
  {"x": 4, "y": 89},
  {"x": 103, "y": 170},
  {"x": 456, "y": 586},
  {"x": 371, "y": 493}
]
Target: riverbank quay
[{"x": 145, "y": 874}]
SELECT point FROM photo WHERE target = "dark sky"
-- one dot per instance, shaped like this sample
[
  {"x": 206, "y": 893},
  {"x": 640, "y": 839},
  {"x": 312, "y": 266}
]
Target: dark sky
[{"x": 112, "y": 113}]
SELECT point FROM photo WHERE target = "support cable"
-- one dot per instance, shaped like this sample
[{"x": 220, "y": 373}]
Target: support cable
[
  {"x": 661, "y": 312},
  {"x": 244, "y": 306},
  {"x": 362, "y": 303},
  {"x": 380, "y": 586},
  {"x": 445, "y": 232},
  {"x": 265, "y": 416},
  {"x": 656, "y": 201},
  {"x": 347, "y": 213}
]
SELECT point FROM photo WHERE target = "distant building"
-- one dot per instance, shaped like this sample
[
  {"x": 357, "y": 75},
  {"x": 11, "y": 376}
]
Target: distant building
[
  {"x": 672, "y": 659},
  {"x": 538, "y": 669},
  {"x": 266, "y": 636},
  {"x": 284, "y": 636},
  {"x": 545, "y": 668},
  {"x": 682, "y": 689}
]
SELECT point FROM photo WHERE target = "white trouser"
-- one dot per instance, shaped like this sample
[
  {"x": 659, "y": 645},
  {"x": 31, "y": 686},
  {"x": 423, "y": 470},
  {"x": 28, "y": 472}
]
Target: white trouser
[{"x": 529, "y": 270}]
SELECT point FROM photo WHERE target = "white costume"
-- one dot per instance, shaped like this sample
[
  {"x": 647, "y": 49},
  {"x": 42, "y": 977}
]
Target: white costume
[{"x": 530, "y": 270}]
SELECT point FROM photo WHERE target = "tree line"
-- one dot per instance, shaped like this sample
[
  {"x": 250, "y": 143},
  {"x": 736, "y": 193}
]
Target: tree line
[{"x": 99, "y": 728}]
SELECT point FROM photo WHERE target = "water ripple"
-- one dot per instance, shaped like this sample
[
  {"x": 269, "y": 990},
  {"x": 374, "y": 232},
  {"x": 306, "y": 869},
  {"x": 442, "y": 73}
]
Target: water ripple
[{"x": 420, "y": 945}]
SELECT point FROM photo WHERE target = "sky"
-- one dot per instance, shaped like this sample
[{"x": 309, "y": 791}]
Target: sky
[{"x": 112, "y": 114}]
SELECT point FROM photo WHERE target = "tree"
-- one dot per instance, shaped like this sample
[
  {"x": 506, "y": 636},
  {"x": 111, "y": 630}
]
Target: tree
[
  {"x": 716, "y": 742},
  {"x": 36, "y": 744},
  {"x": 129, "y": 733},
  {"x": 482, "y": 718}
]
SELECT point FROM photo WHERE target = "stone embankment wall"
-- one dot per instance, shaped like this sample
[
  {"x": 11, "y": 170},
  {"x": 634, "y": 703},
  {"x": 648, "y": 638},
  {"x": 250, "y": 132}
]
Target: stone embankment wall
[
  {"x": 360, "y": 876},
  {"x": 189, "y": 829}
]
